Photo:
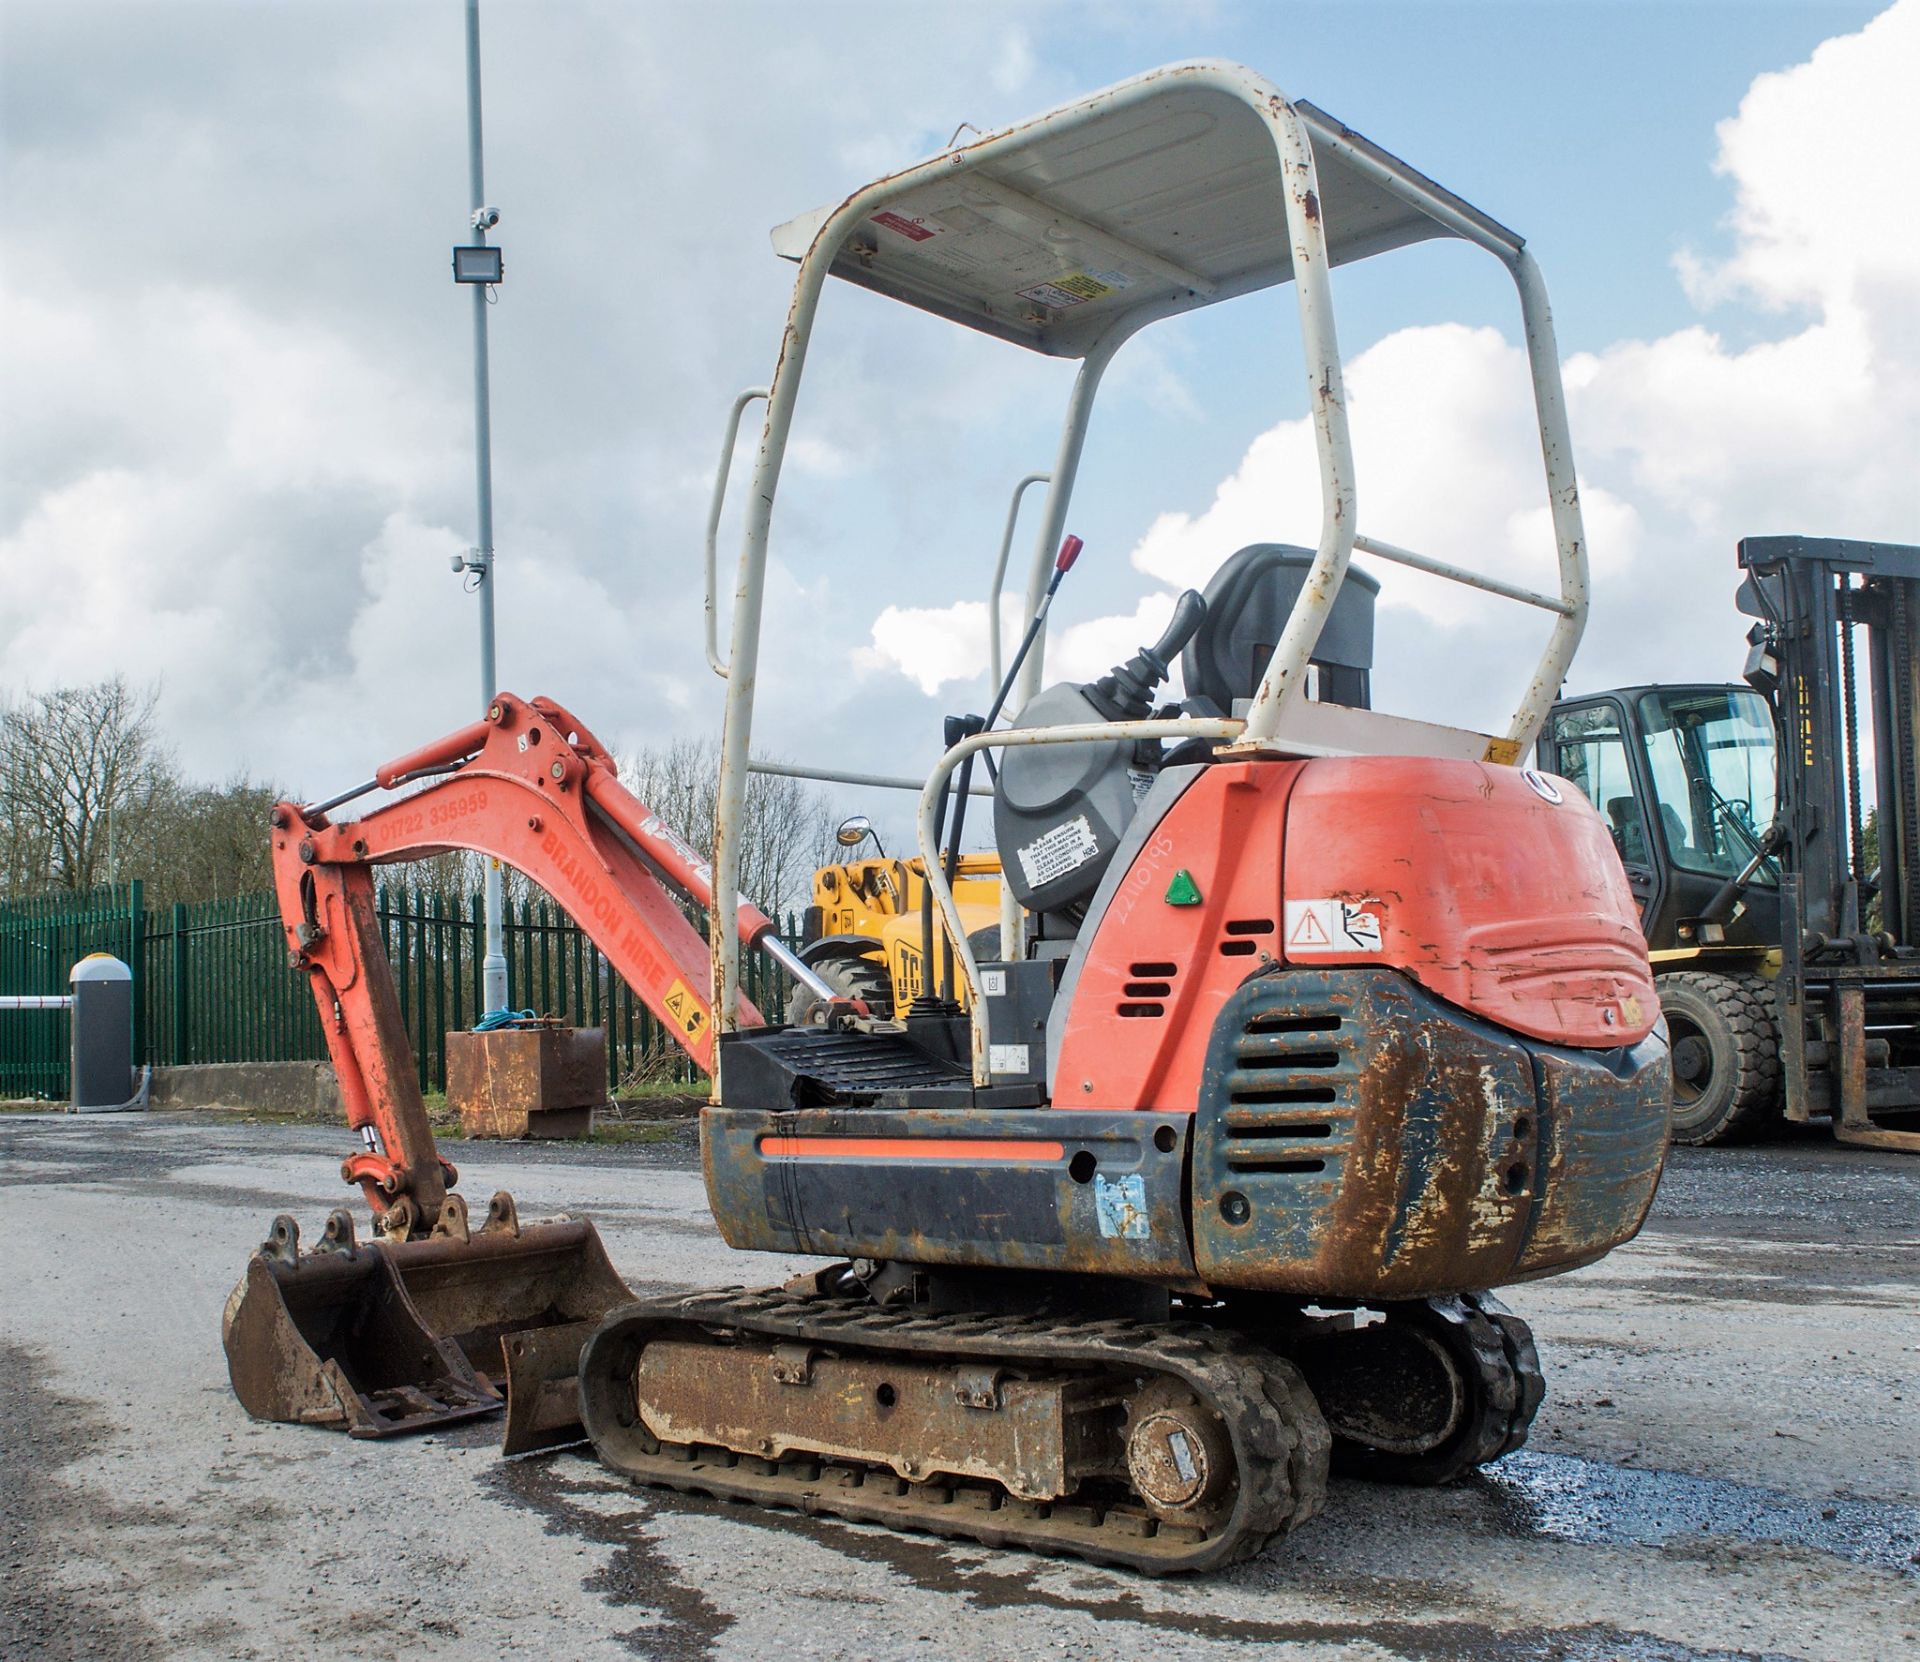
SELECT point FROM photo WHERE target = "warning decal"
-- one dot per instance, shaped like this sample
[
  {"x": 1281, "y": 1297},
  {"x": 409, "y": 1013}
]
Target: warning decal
[
  {"x": 1076, "y": 288},
  {"x": 914, "y": 227},
  {"x": 684, "y": 1010},
  {"x": 1330, "y": 926}
]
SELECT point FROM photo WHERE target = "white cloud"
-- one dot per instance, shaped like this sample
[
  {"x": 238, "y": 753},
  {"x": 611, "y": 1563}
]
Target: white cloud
[
  {"x": 1811, "y": 154},
  {"x": 936, "y": 646},
  {"x": 237, "y": 462},
  {"x": 1446, "y": 460},
  {"x": 1016, "y": 65},
  {"x": 243, "y": 475},
  {"x": 941, "y": 646}
]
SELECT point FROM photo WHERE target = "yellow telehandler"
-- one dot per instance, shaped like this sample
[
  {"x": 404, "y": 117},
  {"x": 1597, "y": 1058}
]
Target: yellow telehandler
[{"x": 863, "y": 931}]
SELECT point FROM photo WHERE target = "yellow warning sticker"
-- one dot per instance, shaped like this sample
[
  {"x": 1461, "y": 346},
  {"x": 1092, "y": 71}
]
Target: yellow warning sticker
[
  {"x": 685, "y": 1009},
  {"x": 1076, "y": 288}
]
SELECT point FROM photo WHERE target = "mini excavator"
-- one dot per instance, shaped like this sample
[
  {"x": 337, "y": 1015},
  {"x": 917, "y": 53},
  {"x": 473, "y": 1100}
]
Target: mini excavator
[{"x": 1310, "y": 1023}]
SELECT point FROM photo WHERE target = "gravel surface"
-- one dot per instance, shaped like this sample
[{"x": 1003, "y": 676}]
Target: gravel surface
[{"x": 1727, "y": 1465}]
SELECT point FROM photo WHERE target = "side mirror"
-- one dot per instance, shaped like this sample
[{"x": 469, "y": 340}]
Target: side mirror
[{"x": 853, "y": 832}]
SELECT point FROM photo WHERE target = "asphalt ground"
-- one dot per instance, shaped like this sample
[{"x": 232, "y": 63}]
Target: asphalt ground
[{"x": 1727, "y": 1464}]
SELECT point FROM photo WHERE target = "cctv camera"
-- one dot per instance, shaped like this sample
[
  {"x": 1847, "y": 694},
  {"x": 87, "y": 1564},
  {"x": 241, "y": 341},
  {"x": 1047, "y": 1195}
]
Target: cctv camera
[{"x": 484, "y": 219}]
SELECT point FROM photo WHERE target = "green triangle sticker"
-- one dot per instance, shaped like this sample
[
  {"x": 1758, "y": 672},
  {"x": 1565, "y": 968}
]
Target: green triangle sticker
[{"x": 1183, "y": 891}]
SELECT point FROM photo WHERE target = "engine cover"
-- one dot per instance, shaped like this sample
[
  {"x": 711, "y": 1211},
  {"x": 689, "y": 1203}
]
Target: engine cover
[{"x": 1496, "y": 890}]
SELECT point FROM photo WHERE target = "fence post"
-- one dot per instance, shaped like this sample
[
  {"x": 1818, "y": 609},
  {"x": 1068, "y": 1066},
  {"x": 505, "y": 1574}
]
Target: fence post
[
  {"x": 180, "y": 1056},
  {"x": 137, "y": 962}
]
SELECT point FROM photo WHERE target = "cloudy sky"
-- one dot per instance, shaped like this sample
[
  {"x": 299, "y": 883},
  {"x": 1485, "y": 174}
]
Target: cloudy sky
[{"x": 235, "y": 428}]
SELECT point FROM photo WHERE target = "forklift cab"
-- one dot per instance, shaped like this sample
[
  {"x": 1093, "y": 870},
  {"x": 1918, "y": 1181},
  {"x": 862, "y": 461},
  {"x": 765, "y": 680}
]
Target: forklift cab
[{"x": 1685, "y": 778}]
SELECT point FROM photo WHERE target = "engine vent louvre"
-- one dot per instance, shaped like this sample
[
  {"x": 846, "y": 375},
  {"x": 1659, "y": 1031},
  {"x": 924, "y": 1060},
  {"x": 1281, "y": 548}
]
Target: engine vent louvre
[
  {"x": 1144, "y": 994},
  {"x": 1242, "y": 936},
  {"x": 1290, "y": 1093}
]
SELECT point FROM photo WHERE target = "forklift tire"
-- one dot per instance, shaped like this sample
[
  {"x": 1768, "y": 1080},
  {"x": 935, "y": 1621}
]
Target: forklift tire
[
  {"x": 1726, "y": 1056},
  {"x": 862, "y": 978}
]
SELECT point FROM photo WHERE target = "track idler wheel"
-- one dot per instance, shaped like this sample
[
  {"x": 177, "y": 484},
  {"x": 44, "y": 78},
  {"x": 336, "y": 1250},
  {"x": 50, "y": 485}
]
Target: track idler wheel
[
  {"x": 1179, "y": 1456},
  {"x": 1434, "y": 1390}
]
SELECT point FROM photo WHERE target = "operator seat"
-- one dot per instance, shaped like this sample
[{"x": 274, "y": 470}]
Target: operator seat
[
  {"x": 1676, "y": 830},
  {"x": 1629, "y": 835},
  {"x": 1248, "y": 602}
]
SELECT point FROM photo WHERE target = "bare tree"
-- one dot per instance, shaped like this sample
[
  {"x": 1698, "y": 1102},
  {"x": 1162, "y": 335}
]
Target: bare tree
[
  {"x": 203, "y": 842},
  {"x": 81, "y": 769},
  {"x": 786, "y": 832}
]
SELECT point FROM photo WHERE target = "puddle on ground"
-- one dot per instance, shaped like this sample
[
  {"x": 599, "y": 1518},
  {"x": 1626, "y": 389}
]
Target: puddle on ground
[{"x": 1589, "y": 1501}]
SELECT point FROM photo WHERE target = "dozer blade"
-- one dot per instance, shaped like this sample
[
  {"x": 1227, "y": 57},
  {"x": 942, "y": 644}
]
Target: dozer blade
[
  {"x": 331, "y": 1338},
  {"x": 518, "y": 1301}
]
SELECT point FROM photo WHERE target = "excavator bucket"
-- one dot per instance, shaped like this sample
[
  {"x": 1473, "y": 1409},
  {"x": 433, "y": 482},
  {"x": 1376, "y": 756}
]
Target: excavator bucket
[
  {"x": 330, "y": 1338},
  {"x": 407, "y": 1335},
  {"x": 518, "y": 1301}
]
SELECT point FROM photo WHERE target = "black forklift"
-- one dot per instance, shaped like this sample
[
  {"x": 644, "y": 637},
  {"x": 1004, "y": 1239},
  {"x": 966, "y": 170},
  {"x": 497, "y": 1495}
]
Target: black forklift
[{"x": 1772, "y": 840}]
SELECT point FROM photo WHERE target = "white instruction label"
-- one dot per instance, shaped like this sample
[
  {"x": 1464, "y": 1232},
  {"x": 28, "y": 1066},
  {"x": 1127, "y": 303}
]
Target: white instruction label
[
  {"x": 994, "y": 984},
  {"x": 1330, "y": 926},
  {"x": 1006, "y": 1058},
  {"x": 1060, "y": 851}
]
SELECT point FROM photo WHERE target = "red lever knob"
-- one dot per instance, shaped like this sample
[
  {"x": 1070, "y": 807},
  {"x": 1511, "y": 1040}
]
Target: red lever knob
[{"x": 1069, "y": 552}]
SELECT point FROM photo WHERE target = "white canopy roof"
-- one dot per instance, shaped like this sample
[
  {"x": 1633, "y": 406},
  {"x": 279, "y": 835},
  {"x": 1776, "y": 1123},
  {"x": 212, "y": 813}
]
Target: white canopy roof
[{"x": 1158, "y": 203}]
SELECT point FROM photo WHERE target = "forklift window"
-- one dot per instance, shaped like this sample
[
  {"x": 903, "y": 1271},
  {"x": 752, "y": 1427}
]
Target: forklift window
[
  {"x": 1711, "y": 755},
  {"x": 1588, "y": 750}
]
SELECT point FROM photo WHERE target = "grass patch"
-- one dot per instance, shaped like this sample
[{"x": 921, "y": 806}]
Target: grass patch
[
  {"x": 617, "y": 1132},
  {"x": 650, "y": 1090}
]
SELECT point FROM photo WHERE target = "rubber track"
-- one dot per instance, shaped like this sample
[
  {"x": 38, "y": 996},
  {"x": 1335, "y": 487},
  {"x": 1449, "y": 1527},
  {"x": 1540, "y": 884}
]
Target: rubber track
[
  {"x": 1496, "y": 1350},
  {"x": 1519, "y": 1362},
  {"x": 1280, "y": 1441}
]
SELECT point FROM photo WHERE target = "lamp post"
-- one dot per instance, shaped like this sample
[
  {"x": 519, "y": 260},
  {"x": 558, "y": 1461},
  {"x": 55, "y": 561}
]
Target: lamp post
[{"x": 479, "y": 266}]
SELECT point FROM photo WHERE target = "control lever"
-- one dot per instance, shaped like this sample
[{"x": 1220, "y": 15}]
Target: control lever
[
  {"x": 1062, "y": 564},
  {"x": 1125, "y": 693}
]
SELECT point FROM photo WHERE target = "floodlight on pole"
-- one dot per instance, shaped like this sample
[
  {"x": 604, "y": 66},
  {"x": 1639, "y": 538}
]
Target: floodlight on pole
[{"x": 478, "y": 265}]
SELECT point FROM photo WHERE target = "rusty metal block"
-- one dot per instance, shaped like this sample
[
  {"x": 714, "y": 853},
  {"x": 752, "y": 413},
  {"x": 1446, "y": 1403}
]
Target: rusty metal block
[
  {"x": 926, "y": 1420},
  {"x": 527, "y": 1082}
]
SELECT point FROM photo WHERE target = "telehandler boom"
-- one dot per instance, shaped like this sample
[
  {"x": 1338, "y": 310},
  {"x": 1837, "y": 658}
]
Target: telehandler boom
[{"x": 1317, "y": 1022}]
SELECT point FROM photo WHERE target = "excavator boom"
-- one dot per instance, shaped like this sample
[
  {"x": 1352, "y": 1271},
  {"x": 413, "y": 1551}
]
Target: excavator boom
[
  {"x": 426, "y": 1326},
  {"x": 532, "y": 788}
]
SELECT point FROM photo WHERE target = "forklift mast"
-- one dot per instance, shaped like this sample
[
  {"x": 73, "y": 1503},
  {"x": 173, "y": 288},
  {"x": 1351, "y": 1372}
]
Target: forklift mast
[
  {"x": 1820, "y": 601},
  {"x": 1849, "y": 979}
]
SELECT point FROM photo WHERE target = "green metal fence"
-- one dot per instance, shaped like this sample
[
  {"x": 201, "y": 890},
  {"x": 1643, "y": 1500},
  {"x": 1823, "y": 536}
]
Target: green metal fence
[
  {"x": 211, "y": 982},
  {"x": 40, "y": 942}
]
